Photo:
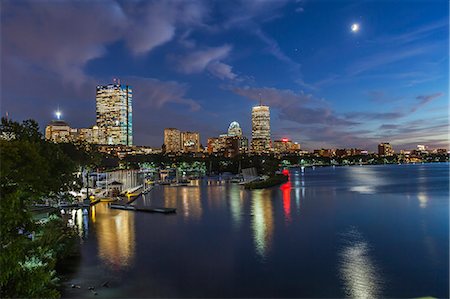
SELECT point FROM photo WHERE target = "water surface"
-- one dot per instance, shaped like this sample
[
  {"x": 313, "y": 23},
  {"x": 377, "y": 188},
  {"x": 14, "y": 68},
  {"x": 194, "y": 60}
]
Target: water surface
[{"x": 359, "y": 231}]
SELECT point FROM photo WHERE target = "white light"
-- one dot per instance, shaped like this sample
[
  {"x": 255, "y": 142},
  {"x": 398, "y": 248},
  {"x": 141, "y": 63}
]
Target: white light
[
  {"x": 58, "y": 115},
  {"x": 355, "y": 27}
]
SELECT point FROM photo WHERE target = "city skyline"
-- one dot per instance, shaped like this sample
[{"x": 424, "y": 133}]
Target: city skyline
[{"x": 329, "y": 84}]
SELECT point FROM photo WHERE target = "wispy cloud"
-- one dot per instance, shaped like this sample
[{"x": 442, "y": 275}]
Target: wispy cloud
[
  {"x": 425, "y": 99},
  {"x": 209, "y": 59},
  {"x": 294, "y": 106}
]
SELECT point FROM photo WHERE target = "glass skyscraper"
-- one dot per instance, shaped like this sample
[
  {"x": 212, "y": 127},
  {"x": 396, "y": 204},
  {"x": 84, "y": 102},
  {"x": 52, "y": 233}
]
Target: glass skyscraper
[
  {"x": 261, "y": 129},
  {"x": 114, "y": 113}
]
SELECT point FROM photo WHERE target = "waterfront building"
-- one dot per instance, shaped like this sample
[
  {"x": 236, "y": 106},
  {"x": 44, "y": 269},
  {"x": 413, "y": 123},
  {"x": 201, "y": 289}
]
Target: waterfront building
[
  {"x": 114, "y": 114},
  {"x": 285, "y": 146},
  {"x": 385, "y": 149},
  {"x": 261, "y": 129},
  {"x": 172, "y": 140},
  {"x": 190, "y": 142}
]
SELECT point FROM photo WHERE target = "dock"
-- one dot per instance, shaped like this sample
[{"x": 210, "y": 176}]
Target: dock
[{"x": 143, "y": 209}]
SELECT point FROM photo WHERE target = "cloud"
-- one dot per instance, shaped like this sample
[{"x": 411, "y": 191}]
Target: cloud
[
  {"x": 414, "y": 35},
  {"x": 388, "y": 127},
  {"x": 363, "y": 115},
  {"x": 154, "y": 23},
  {"x": 206, "y": 59},
  {"x": 273, "y": 48},
  {"x": 221, "y": 70},
  {"x": 388, "y": 57},
  {"x": 425, "y": 99},
  {"x": 297, "y": 107},
  {"x": 32, "y": 34},
  {"x": 154, "y": 93}
]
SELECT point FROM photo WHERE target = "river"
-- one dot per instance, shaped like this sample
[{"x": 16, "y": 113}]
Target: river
[{"x": 358, "y": 231}]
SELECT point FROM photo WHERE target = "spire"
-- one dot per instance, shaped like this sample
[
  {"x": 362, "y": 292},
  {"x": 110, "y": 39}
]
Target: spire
[{"x": 260, "y": 101}]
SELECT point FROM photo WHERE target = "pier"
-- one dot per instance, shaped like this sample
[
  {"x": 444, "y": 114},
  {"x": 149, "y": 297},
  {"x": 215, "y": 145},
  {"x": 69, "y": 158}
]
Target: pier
[{"x": 143, "y": 209}]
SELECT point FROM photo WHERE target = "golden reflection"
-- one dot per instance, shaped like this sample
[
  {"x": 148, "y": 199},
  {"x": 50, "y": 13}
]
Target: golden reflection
[
  {"x": 116, "y": 236},
  {"x": 93, "y": 214},
  {"x": 190, "y": 198},
  {"x": 262, "y": 223},
  {"x": 236, "y": 202}
]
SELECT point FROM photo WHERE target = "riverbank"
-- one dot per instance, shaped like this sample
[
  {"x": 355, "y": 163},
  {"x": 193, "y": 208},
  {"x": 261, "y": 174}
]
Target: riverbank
[{"x": 270, "y": 182}]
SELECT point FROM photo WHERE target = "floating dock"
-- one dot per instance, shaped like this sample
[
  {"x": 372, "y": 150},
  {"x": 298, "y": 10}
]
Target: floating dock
[{"x": 143, "y": 209}]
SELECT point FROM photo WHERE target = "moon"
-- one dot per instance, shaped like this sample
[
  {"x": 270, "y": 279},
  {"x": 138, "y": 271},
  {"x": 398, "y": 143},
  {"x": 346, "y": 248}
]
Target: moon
[{"x": 355, "y": 27}]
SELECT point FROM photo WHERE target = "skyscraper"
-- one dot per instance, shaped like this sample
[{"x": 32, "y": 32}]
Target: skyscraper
[
  {"x": 172, "y": 140},
  {"x": 261, "y": 129},
  {"x": 114, "y": 113}
]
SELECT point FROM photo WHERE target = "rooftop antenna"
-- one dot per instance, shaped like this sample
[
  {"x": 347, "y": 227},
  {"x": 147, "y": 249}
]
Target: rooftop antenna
[{"x": 260, "y": 101}]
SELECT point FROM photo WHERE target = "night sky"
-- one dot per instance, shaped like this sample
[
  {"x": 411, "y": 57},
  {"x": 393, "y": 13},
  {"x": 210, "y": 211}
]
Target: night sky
[{"x": 199, "y": 65}]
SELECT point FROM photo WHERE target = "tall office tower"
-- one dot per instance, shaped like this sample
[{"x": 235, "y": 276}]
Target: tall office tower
[
  {"x": 261, "y": 129},
  {"x": 385, "y": 149},
  {"x": 190, "y": 142},
  {"x": 114, "y": 114},
  {"x": 172, "y": 140}
]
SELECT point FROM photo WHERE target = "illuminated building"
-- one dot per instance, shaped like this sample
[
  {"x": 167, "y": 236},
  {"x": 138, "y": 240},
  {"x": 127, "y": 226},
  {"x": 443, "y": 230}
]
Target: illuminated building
[
  {"x": 234, "y": 129},
  {"x": 114, "y": 113},
  {"x": 190, "y": 142},
  {"x": 385, "y": 149},
  {"x": 58, "y": 131},
  {"x": 90, "y": 135},
  {"x": 261, "y": 129},
  {"x": 214, "y": 145},
  {"x": 285, "y": 146},
  {"x": 230, "y": 144},
  {"x": 172, "y": 140},
  {"x": 325, "y": 152}
]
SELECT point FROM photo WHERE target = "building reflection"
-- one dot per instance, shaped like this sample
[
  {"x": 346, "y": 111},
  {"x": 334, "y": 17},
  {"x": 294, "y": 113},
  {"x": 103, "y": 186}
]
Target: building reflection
[
  {"x": 188, "y": 197},
  {"x": 116, "y": 236},
  {"x": 286, "y": 191},
  {"x": 358, "y": 272},
  {"x": 262, "y": 224},
  {"x": 236, "y": 204}
]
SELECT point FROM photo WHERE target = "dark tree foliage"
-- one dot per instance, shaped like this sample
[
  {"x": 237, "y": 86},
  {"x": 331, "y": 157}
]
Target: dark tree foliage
[{"x": 33, "y": 169}]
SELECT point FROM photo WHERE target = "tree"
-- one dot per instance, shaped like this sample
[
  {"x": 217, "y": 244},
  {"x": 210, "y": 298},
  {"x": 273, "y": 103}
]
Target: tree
[{"x": 31, "y": 169}]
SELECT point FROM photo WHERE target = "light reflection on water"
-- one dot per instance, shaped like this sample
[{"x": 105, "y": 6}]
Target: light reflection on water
[
  {"x": 294, "y": 227},
  {"x": 365, "y": 180},
  {"x": 236, "y": 205},
  {"x": 358, "y": 271},
  {"x": 262, "y": 224},
  {"x": 116, "y": 236}
]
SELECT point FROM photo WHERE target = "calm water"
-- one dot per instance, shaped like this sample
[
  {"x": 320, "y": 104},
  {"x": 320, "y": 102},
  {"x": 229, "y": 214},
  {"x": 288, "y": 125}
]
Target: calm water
[{"x": 360, "y": 231}]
